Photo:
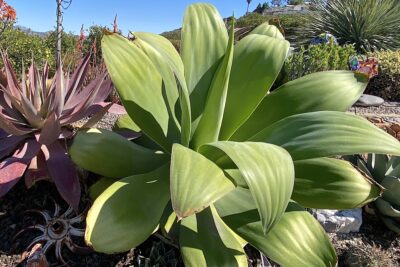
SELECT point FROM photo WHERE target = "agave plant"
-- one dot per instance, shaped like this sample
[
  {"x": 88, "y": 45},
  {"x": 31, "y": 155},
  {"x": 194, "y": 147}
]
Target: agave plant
[
  {"x": 386, "y": 171},
  {"x": 35, "y": 124},
  {"x": 222, "y": 162},
  {"x": 368, "y": 24}
]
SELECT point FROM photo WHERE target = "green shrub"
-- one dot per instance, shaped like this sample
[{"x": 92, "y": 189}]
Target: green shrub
[
  {"x": 322, "y": 57},
  {"x": 387, "y": 83},
  {"x": 22, "y": 48},
  {"x": 368, "y": 24},
  {"x": 293, "y": 25}
]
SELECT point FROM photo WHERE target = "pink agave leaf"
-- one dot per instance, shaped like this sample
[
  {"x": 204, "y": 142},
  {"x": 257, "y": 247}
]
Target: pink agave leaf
[
  {"x": 78, "y": 77},
  {"x": 63, "y": 173},
  {"x": 12, "y": 169},
  {"x": 43, "y": 79},
  {"x": 97, "y": 116},
  {"x": 86, "y": 92},
  {"x": 30, "y": 113},
  {"x": 11, "y": 78},
  {"x": 7, "y": 108},
  {"x": 35, "y": 87},
  {"x": 51, "y": 130},
  {"x": 104, "y": 91},
  {"x": 37, "y": 170},
  {"x": 80, "y": 110},
  {"x": 9, "y": 127},
  {"x": 58, "y": 104},
  {"x": 9, "y": 143}
]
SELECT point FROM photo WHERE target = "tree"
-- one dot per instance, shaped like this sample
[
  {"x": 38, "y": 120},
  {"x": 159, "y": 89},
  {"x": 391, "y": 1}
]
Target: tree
[
  {"x": 248, "y": 5},
  {"x": 7, "y": 16},
  {"x": 61, "y": 5}
]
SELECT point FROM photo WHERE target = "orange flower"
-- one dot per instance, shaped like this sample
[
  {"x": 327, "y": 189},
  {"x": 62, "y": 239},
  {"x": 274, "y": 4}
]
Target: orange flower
[{"x": 7, "y": 12}]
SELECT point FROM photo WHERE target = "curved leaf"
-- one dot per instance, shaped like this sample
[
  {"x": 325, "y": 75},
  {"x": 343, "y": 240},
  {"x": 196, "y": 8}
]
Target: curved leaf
[
  {"x": 210, "y": 123},
  {"x": 257, "y": 61},
  {"x": 297, "y": 240},
  {"x": 268, "y": 171},
  {"x": 204, "y": 43},
  {"x": 125, "y": 122},
  {"x": 110, "y": 155},
  {"x": 314, "y": 92},
  {"x": 100, "y": 186},
  {"x": 332, "y": 184},
  {"x": 127, "y": 213},
  {"x": 170, "y": 55},
  {"x": 166, "y": 59},
  {"x": 139, "y": 85},
  {"x": 392, "y": 184},
  {"x": 205, "y": 240},
  {"x": 268, "y": 30},
  {"x": 327, "y": 133},
  {"x": 196, "y": 182}
]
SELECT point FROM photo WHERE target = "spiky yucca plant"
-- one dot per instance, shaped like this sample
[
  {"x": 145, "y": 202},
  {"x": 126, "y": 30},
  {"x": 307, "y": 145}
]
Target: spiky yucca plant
[
  {"x": 35, "y": 119},
  {"x": 222, "y": 162},
  {"x": 368, "y": 24}
]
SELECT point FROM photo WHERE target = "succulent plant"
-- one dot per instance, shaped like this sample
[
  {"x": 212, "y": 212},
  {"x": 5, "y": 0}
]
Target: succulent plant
[
  {"x": 35, "y": 119},
  {"x": 386, "y": 171},
  {"x": 58, "y": 230},
  {"x": 222, "y": 162},
  {"x": 368, "y": 24}
]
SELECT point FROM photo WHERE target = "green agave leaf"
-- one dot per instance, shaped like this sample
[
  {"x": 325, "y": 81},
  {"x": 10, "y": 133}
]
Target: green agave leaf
[
  {"x": 377, "y": 165},
  {"x": 387, "y": 208},
  {"x": 268, "y": 30},
  {"x": 100, "y": 186},
  {"x": 205, "y": 240},
  {"x": 169, "y": 87},
  {"x": 110, "y": 155},
  {"x": 210, "y": 123},
  {"x": 314, "y": 92},
  {"x": 196, "y": 182},
  {"x": 168, "y": 223},
  {"x": 125, "y": 122},
  {"x": 392, "y": 224},
  {"x": 392, "y": 184},
  {"x": 327, "y": 133},
  {"x": 204, "y": 43},
  {"x": 297, "y": 240},
  {"x": 268, "y": 171},
  {"x": 257, "y": 61},
  {"x": 128, "y": 212},
  {"x": 140, "y": 87},
  {"x": 393, "y": 167},
  {"x": 332, "y": 184},
  {"x": 170, "y": 65}
]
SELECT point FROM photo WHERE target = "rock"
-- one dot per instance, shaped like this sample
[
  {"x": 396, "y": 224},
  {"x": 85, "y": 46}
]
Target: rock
[
  {"x": 369, "y": 101},
  {"x": 342, "y": 221}
]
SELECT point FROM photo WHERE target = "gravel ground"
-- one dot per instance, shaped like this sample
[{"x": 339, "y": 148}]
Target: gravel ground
[{"x": 389, "y": 111}]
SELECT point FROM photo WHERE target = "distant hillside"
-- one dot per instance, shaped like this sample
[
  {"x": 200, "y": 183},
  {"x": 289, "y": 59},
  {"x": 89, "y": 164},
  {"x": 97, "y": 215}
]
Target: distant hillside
[{"x": 29, "y": 31}]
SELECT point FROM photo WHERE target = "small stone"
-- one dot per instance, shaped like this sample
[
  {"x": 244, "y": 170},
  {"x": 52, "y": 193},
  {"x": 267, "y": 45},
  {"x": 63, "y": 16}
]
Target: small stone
[
  {"x": 342, "y": 221},
  {"x": 369, "y": 101}
]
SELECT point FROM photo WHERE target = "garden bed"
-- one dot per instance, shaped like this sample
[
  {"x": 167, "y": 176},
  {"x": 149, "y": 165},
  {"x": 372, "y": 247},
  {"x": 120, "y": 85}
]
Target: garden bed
[{"x": 373, "y": 239}]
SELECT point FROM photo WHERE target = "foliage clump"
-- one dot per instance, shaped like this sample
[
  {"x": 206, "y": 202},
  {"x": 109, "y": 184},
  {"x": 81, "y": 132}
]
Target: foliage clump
[
  {"x": 387, "y": 83},
  {"x": 315, "y": 58},
  {"x": 370, "y": 25}
]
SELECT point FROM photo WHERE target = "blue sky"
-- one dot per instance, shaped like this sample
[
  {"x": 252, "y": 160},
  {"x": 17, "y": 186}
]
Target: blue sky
[{"x": 153, "y": 16}]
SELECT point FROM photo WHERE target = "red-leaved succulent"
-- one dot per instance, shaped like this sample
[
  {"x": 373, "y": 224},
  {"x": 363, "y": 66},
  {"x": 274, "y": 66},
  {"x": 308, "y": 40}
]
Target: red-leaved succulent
[{"x": 35, "y": 119}]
